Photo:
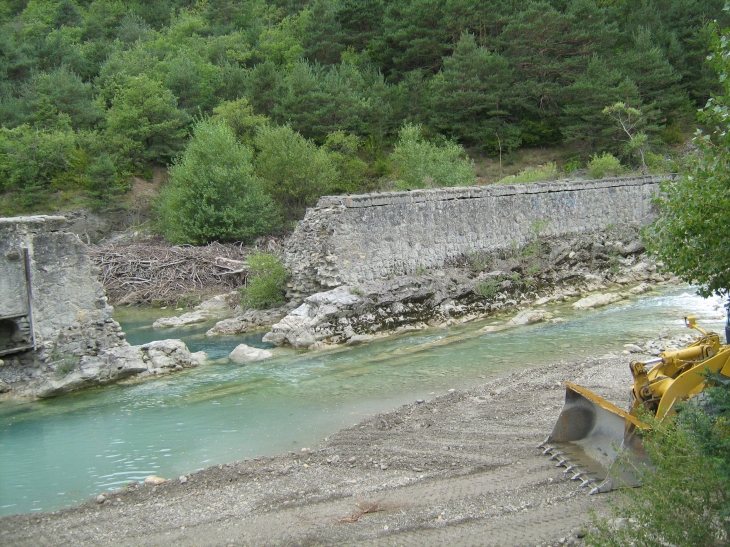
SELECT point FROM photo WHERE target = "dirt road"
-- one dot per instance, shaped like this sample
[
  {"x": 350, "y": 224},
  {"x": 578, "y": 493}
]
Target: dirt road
[{"x": 461, "y": 469}]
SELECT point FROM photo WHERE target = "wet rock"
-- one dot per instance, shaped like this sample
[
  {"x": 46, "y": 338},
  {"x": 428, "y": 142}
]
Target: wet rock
[
  {"x": 119, "y": 363},
  {"x": 163, "y": 355},
  {"x": 596, "y": 301},
  {"x": 358, "y": 339},
  {"x": 190, "y": 318},
  {"x": 218, "y": 304},
  {"x": 492, "y": 328},
  {"x": 530, "y": 316},
  {"x": 153, "y": 480},
  {"x": 100, "y": 499},
  {"x": 633, "y": 348},
  {"x": 249, "y": 321},
  {"x": 640, "y": 289},
  {"x": 245, "y": 354}
]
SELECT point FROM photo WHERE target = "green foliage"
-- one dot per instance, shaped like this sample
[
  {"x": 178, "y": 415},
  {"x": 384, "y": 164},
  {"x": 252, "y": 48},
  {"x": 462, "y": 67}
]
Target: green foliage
[
  {"x": 630, "y": 121},
  {"x": 343, "y": 149},
  {"x": 296, "y": 172},
  {"x": 604, "y": 165},
  {"x": 423, "y": 164},
  {"x": 240, "y": 116},
  {"x": 31, "y": 160},
  {"x": 468, "y": 96},
  {"x": 684, "y": 501},
  {"x": 690, "y": 235},
  {"x": 213, "y": 193},
  {"x": 533, "y": 174},
  {"x": 478, "y": 260},
  {"x": 135, "y": 73},
  {"x": 487, "y": 289},
  {"x": 572, "y": 165},
  {"x": 266, "y": 285},
  {"x": 144, "y": 123}
]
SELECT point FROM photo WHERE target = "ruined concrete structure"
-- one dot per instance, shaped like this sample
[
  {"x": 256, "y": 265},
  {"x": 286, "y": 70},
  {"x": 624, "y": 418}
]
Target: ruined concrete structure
[
  {"x": 52, "y": 307},
  {"x": 57, "y": 333},
  {"x": 354, "y": 239}
]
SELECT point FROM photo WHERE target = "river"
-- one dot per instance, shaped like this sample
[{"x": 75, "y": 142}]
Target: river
[{"x": 60, "y": 452}]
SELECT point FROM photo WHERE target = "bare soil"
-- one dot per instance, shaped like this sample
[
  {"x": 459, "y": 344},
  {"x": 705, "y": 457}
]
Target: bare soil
[{"x": 461, "y": 469}]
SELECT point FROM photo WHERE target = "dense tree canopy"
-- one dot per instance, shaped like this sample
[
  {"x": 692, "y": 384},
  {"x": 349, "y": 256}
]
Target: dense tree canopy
[
  {"x": 113, "y": 87},
  {"x": 691, "y": 234}
]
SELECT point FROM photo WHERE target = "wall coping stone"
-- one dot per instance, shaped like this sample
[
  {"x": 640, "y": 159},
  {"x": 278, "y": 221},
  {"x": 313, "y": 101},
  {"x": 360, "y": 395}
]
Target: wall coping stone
[{"x": 378, "y": 199}]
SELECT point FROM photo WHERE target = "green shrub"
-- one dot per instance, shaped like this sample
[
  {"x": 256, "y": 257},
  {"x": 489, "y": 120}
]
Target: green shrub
[
  {"x": 684, "y": 501},
  {"x": 658, "y": 163},
  {"x": 31, "y": 160},
  {"x": 572, "y": 165},
  {"x": 296, "y": 172},
  {"x": 672, "y": 134},
  {"x": 478, "y": 260},
  {"x": 604, "y": 165},
  {"x": 212, "y": 193},
  {"x": 266, "y": 284},
  {"x": 422, "y": 164},
  {"x": 487, "y": 289},
  {"x": 533, "y": 174}
]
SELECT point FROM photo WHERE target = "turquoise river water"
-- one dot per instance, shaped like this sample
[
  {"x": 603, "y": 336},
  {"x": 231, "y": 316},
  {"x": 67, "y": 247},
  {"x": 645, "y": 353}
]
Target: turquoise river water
[{"x": 60, "y": 452}]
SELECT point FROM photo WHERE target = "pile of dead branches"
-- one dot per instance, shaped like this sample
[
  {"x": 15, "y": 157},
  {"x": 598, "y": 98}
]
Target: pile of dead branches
[{"x": 154, "y": 271}]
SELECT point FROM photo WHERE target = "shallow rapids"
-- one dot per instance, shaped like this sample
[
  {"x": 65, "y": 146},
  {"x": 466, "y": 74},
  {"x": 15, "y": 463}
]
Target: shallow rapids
[{"x": 60, "y": 452}]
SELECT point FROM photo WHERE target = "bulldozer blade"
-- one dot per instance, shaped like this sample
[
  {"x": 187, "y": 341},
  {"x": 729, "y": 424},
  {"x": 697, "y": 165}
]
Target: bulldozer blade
[{"x": 598, "y": 439}]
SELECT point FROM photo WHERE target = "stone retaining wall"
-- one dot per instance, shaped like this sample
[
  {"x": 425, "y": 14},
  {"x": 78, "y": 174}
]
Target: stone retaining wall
[{"x": 353, "y": 239}]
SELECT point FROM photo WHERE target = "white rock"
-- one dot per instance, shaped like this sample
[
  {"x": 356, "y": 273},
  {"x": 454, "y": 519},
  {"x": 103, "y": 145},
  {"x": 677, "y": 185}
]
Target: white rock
[
  {"x": 244, "y": 354},
  {"x": 217, "y": 303},
  {"x": 596, "y": 300},
  {"x": 153, "y": 480},
  {"x": 199, "y": 356},
  {"x": 189, "y": 318},
  {"x": 526, "y": 317},
  {"x": 492, "y": 328},
  {"x": 640, "y": 289},
  {"x": 633, "y": 348},
  {"x": 358, "y": 339}
]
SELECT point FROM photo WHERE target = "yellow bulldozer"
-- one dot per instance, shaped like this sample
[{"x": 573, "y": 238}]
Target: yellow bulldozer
[{"x": 600, "y": 444}]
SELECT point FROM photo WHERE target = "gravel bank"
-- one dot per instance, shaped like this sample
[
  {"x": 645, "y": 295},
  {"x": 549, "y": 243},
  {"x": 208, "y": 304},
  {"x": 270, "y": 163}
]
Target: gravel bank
[{"x": 461, "y": 469}]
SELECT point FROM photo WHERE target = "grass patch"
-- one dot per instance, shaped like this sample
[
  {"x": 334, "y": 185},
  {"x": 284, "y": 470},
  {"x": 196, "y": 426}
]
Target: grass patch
[
  {"x": 533, "y": 174},
  {"x": 487, "y": 288}
]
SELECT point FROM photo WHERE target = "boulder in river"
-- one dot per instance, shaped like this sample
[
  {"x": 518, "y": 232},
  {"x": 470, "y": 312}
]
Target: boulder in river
[
  {"x": 190, "y": 318},
  {"x": 596, "y": 301},
  {"x": 244, "y": 354},
  {"x": 526, "y": 317},
  {"x": 118, "y": 363}
]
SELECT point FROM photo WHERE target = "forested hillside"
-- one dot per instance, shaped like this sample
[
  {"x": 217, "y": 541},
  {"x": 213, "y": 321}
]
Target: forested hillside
[{"x": 310, "y": 97}]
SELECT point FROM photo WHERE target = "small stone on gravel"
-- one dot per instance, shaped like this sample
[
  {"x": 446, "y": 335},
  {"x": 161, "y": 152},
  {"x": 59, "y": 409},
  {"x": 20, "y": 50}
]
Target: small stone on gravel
[{"x": 100, "y": 498}]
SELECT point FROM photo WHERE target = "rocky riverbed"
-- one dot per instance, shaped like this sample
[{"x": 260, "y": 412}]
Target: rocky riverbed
[{"x": 461, "y": 468}]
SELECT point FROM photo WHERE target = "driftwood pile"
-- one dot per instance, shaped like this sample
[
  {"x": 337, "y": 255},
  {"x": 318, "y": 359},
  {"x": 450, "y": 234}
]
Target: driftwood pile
[{"x": 156, "y": 272}]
